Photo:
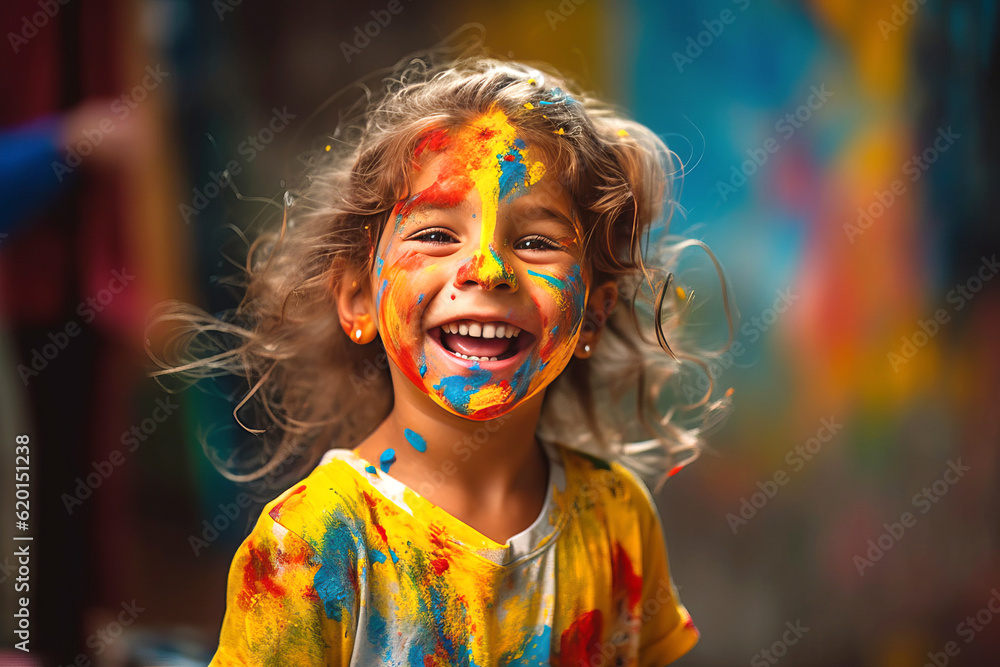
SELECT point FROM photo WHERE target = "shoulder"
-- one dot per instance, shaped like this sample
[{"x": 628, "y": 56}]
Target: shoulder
[
  {"x": 609, "y": 481},
  {"x": 330, "y": 496}
]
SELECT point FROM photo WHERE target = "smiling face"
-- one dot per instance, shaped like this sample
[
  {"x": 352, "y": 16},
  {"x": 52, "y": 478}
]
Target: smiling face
[{"x": 479, "y": 287}]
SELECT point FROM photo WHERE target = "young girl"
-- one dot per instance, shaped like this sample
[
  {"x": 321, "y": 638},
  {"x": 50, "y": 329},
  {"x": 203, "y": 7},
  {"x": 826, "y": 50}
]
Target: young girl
[{"x": 463, "y": 300}]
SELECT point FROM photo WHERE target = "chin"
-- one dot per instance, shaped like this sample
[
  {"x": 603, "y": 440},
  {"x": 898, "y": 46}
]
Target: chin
[{"x": 480, "y": 413}]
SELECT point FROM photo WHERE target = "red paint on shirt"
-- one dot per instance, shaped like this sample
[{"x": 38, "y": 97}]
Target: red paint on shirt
[
  {"x": 581, "y": 641},
  {"x": 275, "y": 512},
  {"x": 624, "y": 577},
  {"x": 259, "y": 575}
]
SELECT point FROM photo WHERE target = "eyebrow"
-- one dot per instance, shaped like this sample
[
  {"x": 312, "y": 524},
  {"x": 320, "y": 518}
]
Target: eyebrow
[
  {"x": 530, "y": 211},
  {"x": 541, "y": 212},
  {"x": 432, "y": 206}
]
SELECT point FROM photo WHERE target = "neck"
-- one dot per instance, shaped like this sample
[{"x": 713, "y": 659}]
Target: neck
[{"x": 494, "y": 458}]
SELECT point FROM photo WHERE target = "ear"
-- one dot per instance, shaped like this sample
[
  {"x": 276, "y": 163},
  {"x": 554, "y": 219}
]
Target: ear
[
  {"x": 600, "y": 304},
  {"x": 355, "y": 307}
]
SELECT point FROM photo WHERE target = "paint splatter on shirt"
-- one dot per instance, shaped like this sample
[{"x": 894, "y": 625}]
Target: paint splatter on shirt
[{"x": 350, "y": 568}]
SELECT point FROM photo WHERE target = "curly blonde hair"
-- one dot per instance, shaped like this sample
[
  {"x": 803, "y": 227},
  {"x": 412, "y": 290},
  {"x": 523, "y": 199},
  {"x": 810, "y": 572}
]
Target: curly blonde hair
[{"x": 321, "y": 390}]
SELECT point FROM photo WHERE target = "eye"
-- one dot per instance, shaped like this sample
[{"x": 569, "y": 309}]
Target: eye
[
  {"x": 536, "y": 242},
  {"x": 435, "y": 235}
]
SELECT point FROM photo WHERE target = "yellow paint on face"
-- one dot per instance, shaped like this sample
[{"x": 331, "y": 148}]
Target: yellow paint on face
[
  {"x": 484, "y": 158},
  {"x": 499, "y": 167}
]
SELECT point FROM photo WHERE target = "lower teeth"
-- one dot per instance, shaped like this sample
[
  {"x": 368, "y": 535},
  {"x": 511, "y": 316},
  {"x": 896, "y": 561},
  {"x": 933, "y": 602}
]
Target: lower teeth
[{"x": 473, "y": 357}]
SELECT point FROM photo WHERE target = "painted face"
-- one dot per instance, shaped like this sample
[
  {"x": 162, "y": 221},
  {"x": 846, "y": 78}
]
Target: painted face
[{"x": 479, "y": 288}]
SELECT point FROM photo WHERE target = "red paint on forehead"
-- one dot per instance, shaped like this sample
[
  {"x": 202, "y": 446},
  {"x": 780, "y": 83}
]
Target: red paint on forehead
[
  {"x": 433, "y": 142},
  {"x": 453, "y": 182},
  {"x": 448, "y": 191}
]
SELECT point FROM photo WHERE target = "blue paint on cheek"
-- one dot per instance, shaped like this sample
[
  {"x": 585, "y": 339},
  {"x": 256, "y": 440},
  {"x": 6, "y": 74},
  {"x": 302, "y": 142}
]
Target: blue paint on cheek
[
  {"x": 522, "y": 377},
  {"x": 579, "y": 291},
  {"x": 334, "y": 581},
  {"x": 399, "y": 216},
  {"x": 552, "y": 280},
  {"x": 572, "y": 286},
  {"x": 420, "y": 299}
]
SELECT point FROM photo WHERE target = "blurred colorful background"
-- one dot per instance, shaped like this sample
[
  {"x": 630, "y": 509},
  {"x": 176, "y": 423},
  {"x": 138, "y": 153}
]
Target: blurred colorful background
[{"x": 841, "y": 160}]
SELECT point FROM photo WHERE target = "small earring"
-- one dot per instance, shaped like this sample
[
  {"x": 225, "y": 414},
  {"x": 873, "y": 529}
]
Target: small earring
[
  {"x": 586, "y": 350},
  {"x": 364, "y": 330}
]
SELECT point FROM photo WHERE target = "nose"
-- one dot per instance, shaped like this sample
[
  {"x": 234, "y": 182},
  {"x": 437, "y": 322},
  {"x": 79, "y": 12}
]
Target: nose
[{"x": 488, "y": 269}]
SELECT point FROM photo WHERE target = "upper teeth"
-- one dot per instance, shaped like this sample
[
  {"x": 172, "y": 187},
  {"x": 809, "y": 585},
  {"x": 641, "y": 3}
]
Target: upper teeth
[{"x": 479, "y": 330}]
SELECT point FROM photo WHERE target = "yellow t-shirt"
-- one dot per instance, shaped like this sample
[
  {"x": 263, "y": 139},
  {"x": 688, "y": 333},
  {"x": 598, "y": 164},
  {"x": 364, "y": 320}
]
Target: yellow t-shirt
[{"x": 352, "y": 567}]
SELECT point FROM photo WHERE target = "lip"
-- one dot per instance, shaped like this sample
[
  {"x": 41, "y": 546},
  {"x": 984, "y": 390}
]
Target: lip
[{"x": 525, "y": 342}]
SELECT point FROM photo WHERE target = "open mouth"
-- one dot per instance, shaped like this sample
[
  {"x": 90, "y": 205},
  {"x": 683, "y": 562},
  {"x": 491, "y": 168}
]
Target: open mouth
[{"x": 481, "y": 341}]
